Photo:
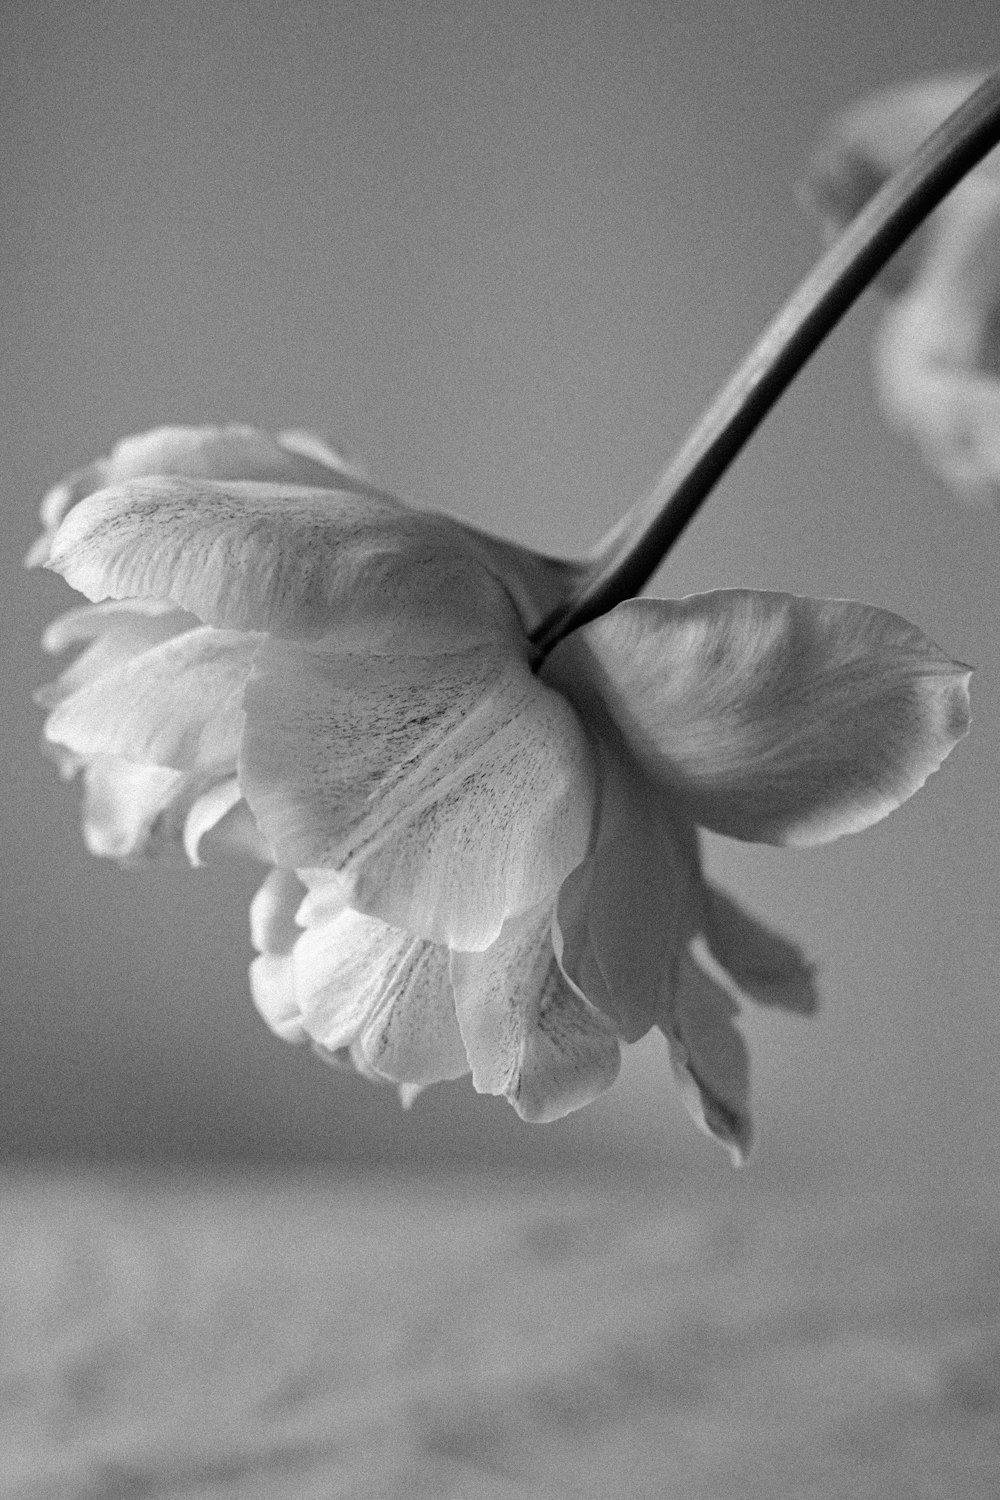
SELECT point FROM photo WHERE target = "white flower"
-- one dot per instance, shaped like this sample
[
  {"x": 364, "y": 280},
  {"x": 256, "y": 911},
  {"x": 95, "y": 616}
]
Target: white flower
[
  {"x": 476, "y": 865},
  {"x": 938, "y": 348}
]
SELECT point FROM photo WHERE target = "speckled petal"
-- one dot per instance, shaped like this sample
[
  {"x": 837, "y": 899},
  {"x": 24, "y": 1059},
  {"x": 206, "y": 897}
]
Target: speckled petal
[
  {"x": 293, "y": 560},
  {"x": 770, "y": 717},
  {"x": 529, "y": 1034},
  {"x": 450, "y": 791}
]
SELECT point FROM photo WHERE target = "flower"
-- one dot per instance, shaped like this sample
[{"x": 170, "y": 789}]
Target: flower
[
  {"x": 475, "y": 865},
  {"x": 938, "y": 348}
]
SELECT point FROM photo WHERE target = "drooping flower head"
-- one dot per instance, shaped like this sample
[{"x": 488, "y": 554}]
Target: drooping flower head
[
  {"x": 938, "y": 348},
  {"x": 476, "y": 864}
]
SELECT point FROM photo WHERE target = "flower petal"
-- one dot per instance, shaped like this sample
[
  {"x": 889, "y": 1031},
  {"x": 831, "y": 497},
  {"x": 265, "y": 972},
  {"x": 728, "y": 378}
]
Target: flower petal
[
  {"x": 116, "y": 632},
  {"x": 763, "y": 965},
  {"x": 293, "y": 560},
  {"x": 766, "y": 716},
  {"x": 234, "y": 452},
  {"x": 625, "y": 914},
  {"x": 125, "y": 807},
  {"x": 381, "y": 992},
  {"x": 528, "y": 1033},
  {"x": 709, "y": 1058},
  {"x": 206, "y": 813},
  {"x": 872, "y": 139},
  {"x": 938, "y": 351},
  {"x": 449, "y": 792},
  {"x": 177, "y": 704},
  {"x": 274, "y": 932}
]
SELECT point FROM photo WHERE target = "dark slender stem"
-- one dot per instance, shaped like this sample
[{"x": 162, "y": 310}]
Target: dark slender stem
[{"x": 630, "y": 554}]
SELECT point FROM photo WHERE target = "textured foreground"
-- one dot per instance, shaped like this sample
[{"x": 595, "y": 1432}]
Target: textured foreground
[{"x": 172, "y": 1337}]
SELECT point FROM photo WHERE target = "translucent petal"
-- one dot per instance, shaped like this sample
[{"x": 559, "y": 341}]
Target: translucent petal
[
  {"x": 709, "y": 1057},
  {"x": 529, "y": 1034},
  {"x": 769, "y": 717},
  {"x": 449, "y": 792},
  {"x": 625, "y": 914},
  {"x": 293, "y": 560},
  {"x": 177, "y": 704},
  {"x": 383, "y": 993},
  {"x": 763, "y": 965}
]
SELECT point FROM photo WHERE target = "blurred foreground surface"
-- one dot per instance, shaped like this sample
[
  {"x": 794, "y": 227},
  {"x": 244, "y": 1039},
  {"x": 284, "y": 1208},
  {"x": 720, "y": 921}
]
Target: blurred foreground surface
[{"x": 309, "y": 1337}]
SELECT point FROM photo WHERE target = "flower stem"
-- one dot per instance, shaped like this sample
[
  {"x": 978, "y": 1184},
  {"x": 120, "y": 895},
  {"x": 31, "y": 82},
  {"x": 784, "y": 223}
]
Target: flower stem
[{"x": 625, "y": 560}]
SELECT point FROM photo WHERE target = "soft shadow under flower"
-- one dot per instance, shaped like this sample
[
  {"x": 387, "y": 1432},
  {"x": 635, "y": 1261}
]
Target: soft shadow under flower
[
  {"x": 938, "y": 348},
  {"x": 476, "y": 865}
]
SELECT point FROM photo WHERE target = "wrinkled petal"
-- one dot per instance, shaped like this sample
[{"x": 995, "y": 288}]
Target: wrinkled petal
[
  {"x": 449, "y": 792},
  {"x": 234, "y": 452},
  {"x": 625, "y": 914},
  {"x": 766, "y": 716},
  {"x": 709, "y": 1057},
  {"x": 178, "y": 704},
  {"x": 293, "y": 560},
  {"x": 382, "y": 993},
  {"x": 529, "y": 1034},
  {"x": 762, "y": 964}
]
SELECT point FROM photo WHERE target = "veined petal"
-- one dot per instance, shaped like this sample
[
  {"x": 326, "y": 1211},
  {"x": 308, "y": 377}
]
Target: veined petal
[
  {"x": 234, "y": 452},
  {"x": 625, "y": 914},
  {"x": 382, "y": 992},
  {"x": 178, "y": 704},
  {"x": 449, "y": 792},
  {"x": 293, "y": 560},
  {"x": 766, "y": 716},
  {"x": 709, "y": 1057},
  {"x": 528, "y": 1033}
]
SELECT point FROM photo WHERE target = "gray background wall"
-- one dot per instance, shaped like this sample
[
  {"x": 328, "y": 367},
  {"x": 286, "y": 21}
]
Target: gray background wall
[{"x": 504, "y": 252}]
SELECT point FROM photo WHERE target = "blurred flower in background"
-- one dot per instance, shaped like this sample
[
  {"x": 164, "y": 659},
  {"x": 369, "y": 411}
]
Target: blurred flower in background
[
  {"x": 938, "y": 347},
  {"x": 476, "y": 865}
]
